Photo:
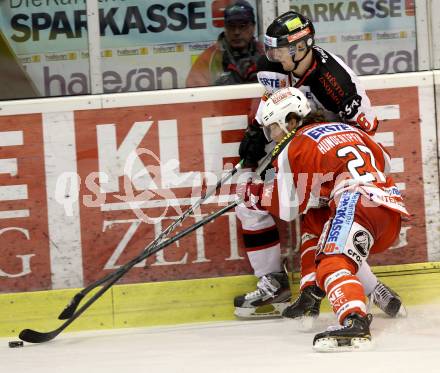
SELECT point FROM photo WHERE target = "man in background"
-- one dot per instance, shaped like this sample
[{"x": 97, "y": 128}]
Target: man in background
[{"x": 232, "y": 59}]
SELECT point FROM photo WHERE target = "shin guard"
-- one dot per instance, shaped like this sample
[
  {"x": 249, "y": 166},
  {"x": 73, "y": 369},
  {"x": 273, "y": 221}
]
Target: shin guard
[{"x": 344, "y": 290}]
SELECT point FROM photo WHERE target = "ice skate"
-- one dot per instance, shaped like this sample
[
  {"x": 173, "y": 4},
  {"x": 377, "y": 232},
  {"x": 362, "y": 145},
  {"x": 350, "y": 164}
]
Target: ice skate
[
  {"x": 269, "y": 300},
  {"x": 306, "y": 307},
  {"x": 387, "y": 300},
  {"x": 354, "y": 335},
  {"x": 307, "y": 303}
]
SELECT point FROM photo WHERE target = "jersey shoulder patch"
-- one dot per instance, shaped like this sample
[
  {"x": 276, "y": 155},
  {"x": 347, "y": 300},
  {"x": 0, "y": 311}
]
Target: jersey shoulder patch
[
  {"x": 272, "y": 81},
  {"x": 317, "y": 132}
]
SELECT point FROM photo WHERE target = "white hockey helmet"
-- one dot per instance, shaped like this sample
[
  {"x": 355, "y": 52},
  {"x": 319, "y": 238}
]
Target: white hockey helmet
[{"x": 281, "y": 104}]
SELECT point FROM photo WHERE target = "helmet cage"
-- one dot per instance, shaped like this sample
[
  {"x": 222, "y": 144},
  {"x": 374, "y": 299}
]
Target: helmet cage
[
  {"x": 287, "y": 30},
  {"x": 271, "y": 44}
]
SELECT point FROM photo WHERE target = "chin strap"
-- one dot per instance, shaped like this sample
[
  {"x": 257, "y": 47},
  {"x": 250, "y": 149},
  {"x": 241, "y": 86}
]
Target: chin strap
[{"x": 296, "y": 63}]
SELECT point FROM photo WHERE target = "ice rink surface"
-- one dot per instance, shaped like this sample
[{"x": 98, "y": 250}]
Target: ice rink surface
[{"x": 401, "y": 345}]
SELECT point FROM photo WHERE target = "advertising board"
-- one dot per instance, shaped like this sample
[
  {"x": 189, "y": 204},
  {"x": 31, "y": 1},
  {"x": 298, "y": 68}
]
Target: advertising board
[{"x": 144, "y": 45}]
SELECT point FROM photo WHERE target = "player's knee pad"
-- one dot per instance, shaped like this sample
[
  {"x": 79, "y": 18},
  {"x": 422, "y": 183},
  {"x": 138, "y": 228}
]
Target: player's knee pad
[
  {"x": 355, "y": 245},
  {"x": 344, "y": 236}
]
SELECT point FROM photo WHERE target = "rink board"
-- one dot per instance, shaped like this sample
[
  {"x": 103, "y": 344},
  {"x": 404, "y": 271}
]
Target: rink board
[
  {"x": 177, "y": 302},
  {"x": 75, "y": 193}
]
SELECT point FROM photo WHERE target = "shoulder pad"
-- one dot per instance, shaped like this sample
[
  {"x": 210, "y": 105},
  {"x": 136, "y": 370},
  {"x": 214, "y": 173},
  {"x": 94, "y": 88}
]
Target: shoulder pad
[{"x": 320, "y": 54}]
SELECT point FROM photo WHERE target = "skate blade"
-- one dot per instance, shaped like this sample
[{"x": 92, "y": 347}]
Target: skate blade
[
  {"x": 268, "y": 311},
  {"x": 403, "y": 313},
  {"x": 302, "y": 324},
  {"x": 332, "y": 345}
]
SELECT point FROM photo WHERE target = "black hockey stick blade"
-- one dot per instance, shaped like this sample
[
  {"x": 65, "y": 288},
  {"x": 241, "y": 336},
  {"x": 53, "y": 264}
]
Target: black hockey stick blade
[{"x": 32, "y": 336}]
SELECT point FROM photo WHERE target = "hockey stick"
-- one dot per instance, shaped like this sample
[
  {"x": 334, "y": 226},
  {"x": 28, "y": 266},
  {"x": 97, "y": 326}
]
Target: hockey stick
[
  {"x": 33, "y": 336},
  {"x": 69, "y": 310}
]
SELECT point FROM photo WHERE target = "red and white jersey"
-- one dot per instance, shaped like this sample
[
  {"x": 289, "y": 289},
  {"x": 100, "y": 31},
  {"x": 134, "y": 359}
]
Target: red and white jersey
[{"x": 322, "y": 161}]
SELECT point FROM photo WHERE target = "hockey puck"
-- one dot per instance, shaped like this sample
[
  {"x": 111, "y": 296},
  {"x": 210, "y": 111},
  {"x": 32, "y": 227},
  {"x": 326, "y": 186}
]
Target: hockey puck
[{"x": 14, "y": 344}]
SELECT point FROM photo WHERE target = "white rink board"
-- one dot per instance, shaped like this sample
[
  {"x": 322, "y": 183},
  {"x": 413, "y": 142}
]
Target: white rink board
[
  {"x": 186, "y": 95},
  {"x": 401, "y": 345}
]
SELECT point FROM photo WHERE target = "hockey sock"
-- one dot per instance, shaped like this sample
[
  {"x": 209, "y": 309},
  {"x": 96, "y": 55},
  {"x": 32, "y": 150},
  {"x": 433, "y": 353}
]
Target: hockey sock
[
  {"x": 344, "y": 290},
  {"x": 308, "y": 266}
]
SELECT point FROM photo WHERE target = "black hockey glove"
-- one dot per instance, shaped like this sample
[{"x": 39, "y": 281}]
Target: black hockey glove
[{"x": 252, "y": 146}]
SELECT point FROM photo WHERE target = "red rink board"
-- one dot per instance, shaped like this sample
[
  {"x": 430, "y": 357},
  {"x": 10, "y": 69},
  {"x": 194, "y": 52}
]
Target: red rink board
[
  {"x": 24, "y": 241},
  {"x": 110, "y": 238}
]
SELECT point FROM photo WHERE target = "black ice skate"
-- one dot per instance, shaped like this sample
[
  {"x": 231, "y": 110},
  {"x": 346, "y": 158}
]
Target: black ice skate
[
  {"x": 307, "y": 304},
  {"x": 353, "y": 335},
  {"x": 269, "y": 300},
  {"x": 387, "y": 300}
]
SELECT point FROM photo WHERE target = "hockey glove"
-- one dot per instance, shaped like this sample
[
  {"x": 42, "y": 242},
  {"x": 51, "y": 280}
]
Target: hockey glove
[
  {"x": 251, "y": 193},
  {"x": 252, "y": 146}
]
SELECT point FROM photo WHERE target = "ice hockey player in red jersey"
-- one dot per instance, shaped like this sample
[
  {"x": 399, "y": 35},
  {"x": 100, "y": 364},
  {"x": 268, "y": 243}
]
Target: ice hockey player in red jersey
[
  {"x": 293, "y": 59},
  {"x": 340, "y": 164}
]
